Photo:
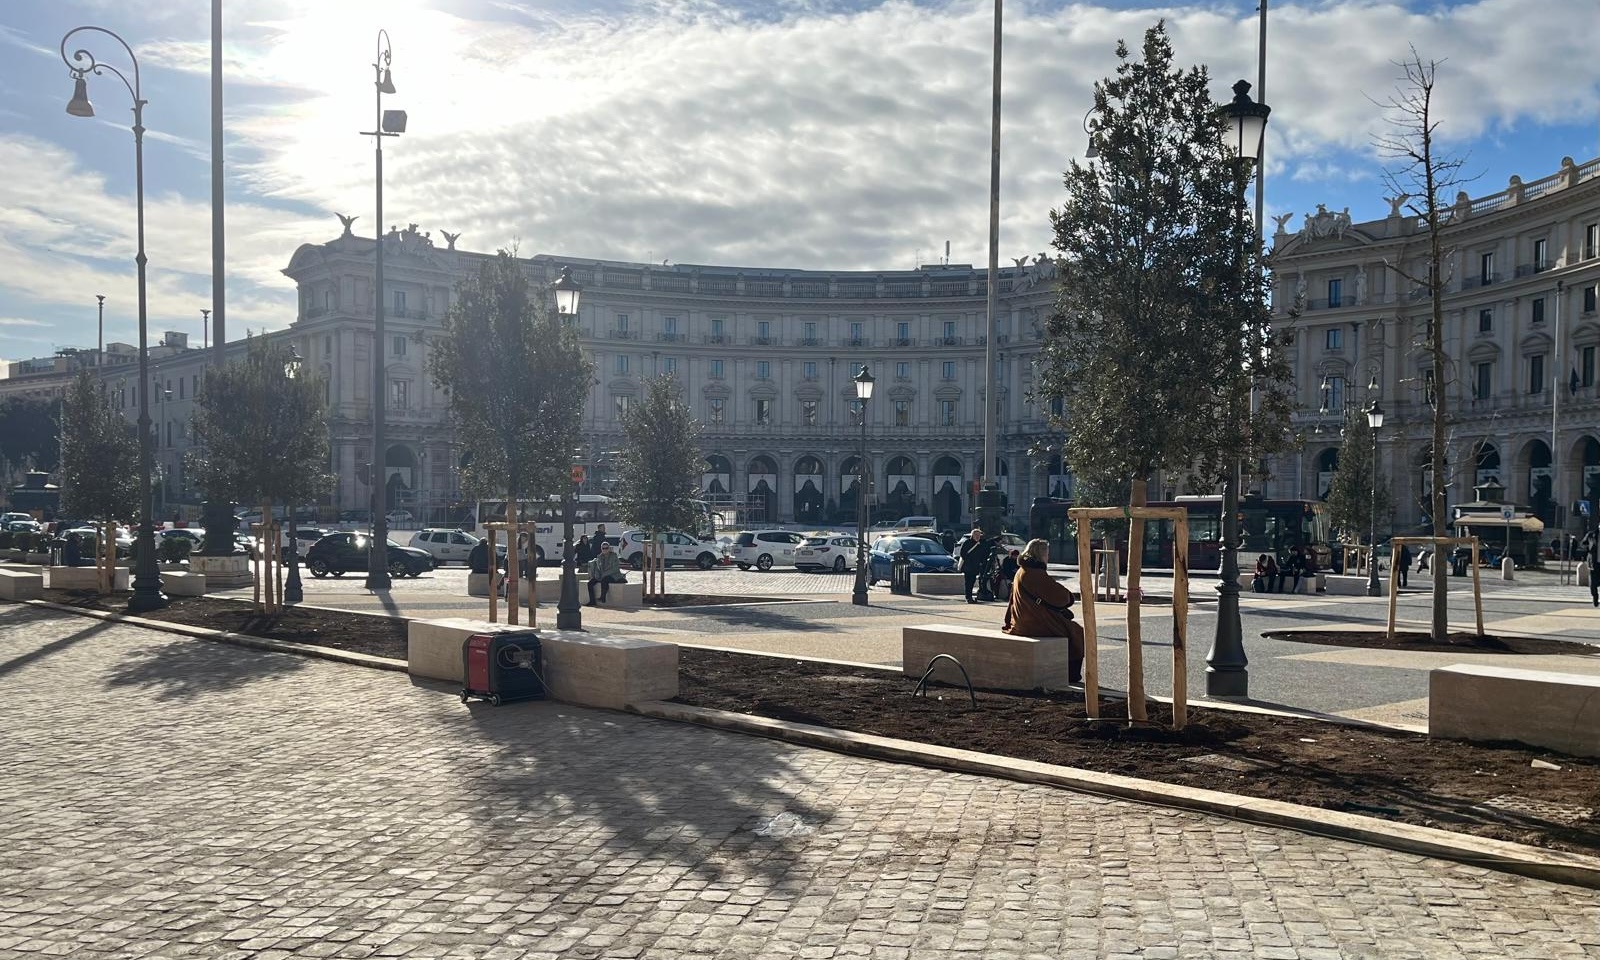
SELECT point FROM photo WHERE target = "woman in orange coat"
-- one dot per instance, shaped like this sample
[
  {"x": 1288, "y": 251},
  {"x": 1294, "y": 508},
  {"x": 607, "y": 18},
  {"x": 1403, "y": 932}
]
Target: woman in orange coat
[{"x": 1041, "y": 607}]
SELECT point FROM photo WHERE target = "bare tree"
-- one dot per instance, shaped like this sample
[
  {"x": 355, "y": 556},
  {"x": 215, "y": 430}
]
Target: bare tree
[{"x": 1424, "y": 173}]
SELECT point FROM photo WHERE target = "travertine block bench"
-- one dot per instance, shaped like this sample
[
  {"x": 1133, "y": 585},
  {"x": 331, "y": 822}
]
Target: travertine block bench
[
  {"x": 1557, "y": 711},
  {"x": 17, "y": 585},
  {"x": 993, "y": 658},
  {"x": 938, "y": 584},
  {"x": 84, "y": 578}
]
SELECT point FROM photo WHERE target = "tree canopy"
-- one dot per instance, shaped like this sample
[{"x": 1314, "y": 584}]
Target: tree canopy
[
  {"x": 517, "y": 382},
  {"x": 1354, "y": 498},
  {"x": 658, "y": 477},
  {"x": 261, "y": 435},
  {"x": 1160, "y": 330},
  {"x": 99, "y": 456}
]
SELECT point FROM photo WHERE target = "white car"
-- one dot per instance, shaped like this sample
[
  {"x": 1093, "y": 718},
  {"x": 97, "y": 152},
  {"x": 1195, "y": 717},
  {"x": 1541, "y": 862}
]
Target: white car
[
  {"x": 446, "y": 545},
  {"x": 400, "y": 518},
  {"x": 680, "y": 548},
  {"x": 827, "y": 553},
  {"x": 765, "y": 549}
]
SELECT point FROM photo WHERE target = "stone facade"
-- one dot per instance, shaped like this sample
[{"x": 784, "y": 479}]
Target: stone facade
[
  {"x": 1521, "y": 330},
  {"x": 766, "y": 357}
]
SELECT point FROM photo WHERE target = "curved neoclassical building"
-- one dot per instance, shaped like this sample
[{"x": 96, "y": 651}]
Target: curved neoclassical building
[{"x": 765, "y": 355}]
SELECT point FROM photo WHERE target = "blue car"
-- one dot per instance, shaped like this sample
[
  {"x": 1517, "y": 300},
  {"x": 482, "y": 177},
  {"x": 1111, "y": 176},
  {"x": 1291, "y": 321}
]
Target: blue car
[{"x": 925, "y": 555}]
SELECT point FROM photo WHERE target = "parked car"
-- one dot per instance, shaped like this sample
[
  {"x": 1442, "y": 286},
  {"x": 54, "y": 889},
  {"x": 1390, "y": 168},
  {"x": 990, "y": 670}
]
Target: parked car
[
  {"x": 765, "y": 549},
  {"x": 7, "y": 519},
  {"x": 399, "y": 518},
  {"x": 680, "y": 548},
  {"x": 304, "y": 537},
  {"x": 827, "y": 553},
  {"x": 916, "y": 525},
  {"x": 446, "y": 545},
  {"x": 91, "y": 536},
  {"x": 356, "y": 516},
  {"x": 346, "y": 552},
  {"x": 925, "y": 555},
  {"x": 195, "y": 537}
]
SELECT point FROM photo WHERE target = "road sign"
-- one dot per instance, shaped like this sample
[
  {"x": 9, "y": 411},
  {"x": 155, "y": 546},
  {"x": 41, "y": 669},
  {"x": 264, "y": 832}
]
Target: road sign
[
  {"x": 1508, "y": 512},
  {"x": 577, "y": 473},
  {"x": 1583, "y": 507}
]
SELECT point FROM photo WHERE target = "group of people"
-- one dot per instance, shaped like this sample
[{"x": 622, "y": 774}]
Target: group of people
[
  {"x": 1270, "y": 575},
  {"x": 975, "y": 558},
  {"x": 594, "y": 555}
]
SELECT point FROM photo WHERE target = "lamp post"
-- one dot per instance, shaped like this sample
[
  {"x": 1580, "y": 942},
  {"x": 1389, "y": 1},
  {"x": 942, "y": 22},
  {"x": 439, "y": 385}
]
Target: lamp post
[
  {"x": 569, "y": 612},
  {"x": 100, "y": 343},
  {"x": 205, "y": 327},
  {"x": 147, "y": 577},
  {"x": 864, "y": 381},
  {"x": 1374, "y": 420},
  {"x": 293, "y": 592},
  {"x": 1227, "y": 667},
  {"x": 390, "y": 124}
]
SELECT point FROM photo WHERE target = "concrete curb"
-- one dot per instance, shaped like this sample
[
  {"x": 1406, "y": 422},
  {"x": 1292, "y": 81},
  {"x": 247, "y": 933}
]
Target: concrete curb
[
  {"x": 237, "y": 639},
  {"x": 1553, "y": 865}
]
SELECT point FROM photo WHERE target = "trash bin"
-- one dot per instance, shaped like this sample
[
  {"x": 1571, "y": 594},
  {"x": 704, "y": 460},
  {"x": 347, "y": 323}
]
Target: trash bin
[
  {"x": 503, "y": 666},
  {"x": 1458, "y": 565},
  {"x": 900, "y": 573}
]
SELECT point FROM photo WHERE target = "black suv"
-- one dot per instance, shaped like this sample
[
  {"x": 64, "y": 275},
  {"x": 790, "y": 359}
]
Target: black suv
[{"x": 341, "y": 553}]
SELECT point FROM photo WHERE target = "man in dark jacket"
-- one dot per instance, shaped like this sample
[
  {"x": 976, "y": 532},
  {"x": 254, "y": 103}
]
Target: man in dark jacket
[
  {"x": 973, "y": 555},
  {"x": 1589, "y": 553}
]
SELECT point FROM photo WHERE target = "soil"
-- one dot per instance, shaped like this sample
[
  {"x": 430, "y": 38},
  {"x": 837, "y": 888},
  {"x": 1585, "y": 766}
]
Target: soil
[
  {"x": 1423, "y": 643},
  {"x": 1487, "y": 790},
  {"x": 1491, "y": 791}
]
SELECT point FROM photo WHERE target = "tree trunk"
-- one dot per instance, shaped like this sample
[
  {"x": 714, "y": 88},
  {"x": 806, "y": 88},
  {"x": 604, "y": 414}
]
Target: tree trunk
[{"x": 1137, "y": 498}]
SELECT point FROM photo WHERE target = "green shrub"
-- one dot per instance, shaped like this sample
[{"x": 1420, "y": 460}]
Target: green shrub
[{"x": 175, "y": 549}]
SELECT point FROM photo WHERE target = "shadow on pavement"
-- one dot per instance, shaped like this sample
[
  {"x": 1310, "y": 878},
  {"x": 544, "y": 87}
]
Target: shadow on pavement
[
  {"x": 182, "y": 669},
  {"x": 13, "y": 620},
  {"x": 718, "y": 806},
  {"x": 751, "y": 616}
]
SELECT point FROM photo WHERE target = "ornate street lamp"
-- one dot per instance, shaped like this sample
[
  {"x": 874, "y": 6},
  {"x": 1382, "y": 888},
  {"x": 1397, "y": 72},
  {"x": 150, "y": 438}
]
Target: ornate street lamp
[
  {"x": 1227, "y": 667},
  {"x": 569, "y": 612},
  {"x": 389, "y": 124},
  {"x": 864, "y": 381},
  {"x": 1375, "y": 421},
  {"x": 293, "y": 592},
  {"x": 147, "y": 576}
]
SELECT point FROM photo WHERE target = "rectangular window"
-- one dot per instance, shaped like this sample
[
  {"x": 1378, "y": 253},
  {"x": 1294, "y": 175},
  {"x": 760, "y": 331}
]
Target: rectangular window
[
  {"x": 399, "y": 347},
  {"x": 902, "y": 370},
  {"x": 327, "y": 343},
  {"x": 669, "y": 366},
  {"x": 1485, "y": 269},
  {"x": 1482, "y": 381},
  {"x": 1334, "y": 339},
  {"x": 764, "y": 329},
  {"x": 949, "y": 370},
  {"x": 902, "y": 332},
  {"x": 811, "y": 330},
  {"x": 624, "y": 404},
  {"x": 855, "y": 331},
  {"x": 714, "y": 409},
  {"x": 1540, "y": 250},
  {"x": 1538, "y": 310},
  {"x": 1586, "y": 367},
  {"x": 902, "y": 413},
  {"x": 622, "y": 364},
  {"x": 1485, "y": 321},
  {"x": 763, "y": 369},
  {"x": 399, "y": 303},
  {"x": 764, "y": 412},
  {"x": 949, "y": 329},
  {"x": 1589, "y": 298},
  {"x": 1536, "y": 373},
  {"x": 622, "y": 322},
  {"x": 716, "y": 329},
  {"x": 399, "y": 393},
  {"x": 1591, "y": 241},
  {"x": 947, "y": 413},
  {"x": 808, "y": 412},
  {"x": 1335, "y": 290},
  {"x": 716, "y": 369},
  {"x": 671, "y": 325},
  {"x": 1334, "y": 401},
  {"x": 809, "y": 369}
]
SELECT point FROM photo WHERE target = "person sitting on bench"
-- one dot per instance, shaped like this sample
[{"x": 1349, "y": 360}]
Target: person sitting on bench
[
  {"x": 1040, "y": 605},
  {"x": 604, "y": 570}
]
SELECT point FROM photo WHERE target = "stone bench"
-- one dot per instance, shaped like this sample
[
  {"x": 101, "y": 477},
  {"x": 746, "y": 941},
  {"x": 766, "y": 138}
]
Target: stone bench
[
  {"x": 1557, "y": 711},
  {"x": 84, "y": 578},
  {"x": 178, "y": 583},
  {"x": 583, "y": 668},
  {"x": 622, "y": 596},
  {"x": 938, "y": 584},
  {"x": 1341, "y": 585},
  {"x": 222, "y": 572},
  {"x": 993, "y": 658},
  {"x": 17, "y": 585}
]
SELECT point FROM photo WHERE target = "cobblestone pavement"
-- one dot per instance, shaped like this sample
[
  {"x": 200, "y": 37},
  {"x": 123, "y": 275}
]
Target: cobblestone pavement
[{"x": 165, "y": 797}]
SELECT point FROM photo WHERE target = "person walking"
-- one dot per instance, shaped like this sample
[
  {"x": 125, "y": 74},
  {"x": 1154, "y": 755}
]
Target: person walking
[
  {"x": 1402, "y": 563},
  {"x": 972, "y": 556},
  {"x": 1589, "y": 551},
  {"x": 604, "y": 570},
  {"x": 948, "y": 541},
  {"x": 1040, "y": 606}
]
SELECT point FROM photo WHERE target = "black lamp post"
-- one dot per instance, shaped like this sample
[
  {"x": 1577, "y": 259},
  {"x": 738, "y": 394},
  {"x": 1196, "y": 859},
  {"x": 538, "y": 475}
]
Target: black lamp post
[
  {"x": 569, "y": 612},
  {"x": 1227, "y": 667},
  {"x": 293, "y": 592},
  {"x": 864, "y": 381},
  {"x": 1374, "y": 420},
  {"x": 389, "y": 124},
  {"x": 147, "y": 576}
]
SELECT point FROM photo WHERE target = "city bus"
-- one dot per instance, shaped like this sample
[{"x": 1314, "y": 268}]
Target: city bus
[
  {"x": 590, "y": 513},
  {"x": 1265, "y": 526}
]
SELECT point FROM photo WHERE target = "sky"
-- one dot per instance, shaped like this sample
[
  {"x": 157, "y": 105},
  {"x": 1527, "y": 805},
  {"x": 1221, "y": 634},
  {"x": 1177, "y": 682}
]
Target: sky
[{"x": 815, "y": 134}]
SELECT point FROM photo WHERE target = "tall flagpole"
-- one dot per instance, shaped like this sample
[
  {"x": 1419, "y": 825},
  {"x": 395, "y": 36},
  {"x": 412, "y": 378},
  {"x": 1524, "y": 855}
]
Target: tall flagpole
[
  {"x": 988, "y": 502},
  {"x": 1261, "y": 153}
]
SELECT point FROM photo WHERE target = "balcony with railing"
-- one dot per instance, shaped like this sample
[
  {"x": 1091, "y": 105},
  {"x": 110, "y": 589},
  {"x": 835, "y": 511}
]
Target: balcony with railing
[
  {"x": 671, "y": 337},
  {"x": 622, "y": 334}
]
